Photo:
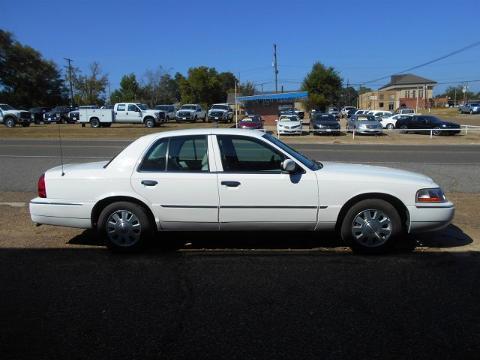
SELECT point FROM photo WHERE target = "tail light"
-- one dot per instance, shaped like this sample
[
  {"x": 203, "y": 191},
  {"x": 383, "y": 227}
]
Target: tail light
[{"x": 42, "y": 190}]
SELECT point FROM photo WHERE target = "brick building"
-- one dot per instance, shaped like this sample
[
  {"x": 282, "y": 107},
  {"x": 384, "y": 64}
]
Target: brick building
[
  {"x": 267, "y": 105},
  {"x": 405, "y": 90}
]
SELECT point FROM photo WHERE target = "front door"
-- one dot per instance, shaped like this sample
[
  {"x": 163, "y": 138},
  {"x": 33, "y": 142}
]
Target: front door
[
  {"x": 256, "y": 194},
  {"x": 180, "y": 183}
]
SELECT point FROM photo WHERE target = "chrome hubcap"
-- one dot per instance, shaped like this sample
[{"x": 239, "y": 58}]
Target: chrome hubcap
[
  {"x": 123, "y": 228},
  {"x": 371, "y": 228}
]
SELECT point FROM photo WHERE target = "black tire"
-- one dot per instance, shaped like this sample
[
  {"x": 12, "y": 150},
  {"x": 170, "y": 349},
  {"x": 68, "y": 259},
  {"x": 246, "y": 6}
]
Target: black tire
[
  {"x": 390, "y": 127},
  {"x": 9, "y": 122},
  {"x": 195, "y": 118},
  {"x": 149, "y": 123},
  {"x": 403, "y": 127},
  {"x": 95, "y": 123},
  {"x": 374, "y": 229},
  {"x": 436, "y": 131},
  {"x": 25, "y": 124},
  {"x": 127, "y": 238}
]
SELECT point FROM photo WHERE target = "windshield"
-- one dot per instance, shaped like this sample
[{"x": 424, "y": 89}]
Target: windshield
[
  {"x": 311, "y": 164},
  {"x": 6, "y": 107},
  {"x": 188, "y": 107},
  {"x": 288, "y": 118},
  {"x": 220, "y": 107},
  {"x": 319, "y": 118},
  {"x": 143, "y": 106}
]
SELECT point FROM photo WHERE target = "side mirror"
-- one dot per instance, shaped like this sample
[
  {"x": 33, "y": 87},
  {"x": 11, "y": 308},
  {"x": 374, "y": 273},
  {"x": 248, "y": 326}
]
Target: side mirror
[{"x": 288, "y": 165}]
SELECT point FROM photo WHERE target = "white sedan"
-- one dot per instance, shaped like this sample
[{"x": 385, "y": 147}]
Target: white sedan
[
  {"x": 232, "y": 179},
  {"x": 389, "y": 122},
  {"x": 289, "y": 125}
]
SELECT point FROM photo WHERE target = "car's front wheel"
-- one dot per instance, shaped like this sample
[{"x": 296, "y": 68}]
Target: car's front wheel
[
  {"x": 125, "y": 226},
  {"x": 390, "y": 126},
  {"x": 10, "y": 122},
  {"x": 371, "y": 226}
]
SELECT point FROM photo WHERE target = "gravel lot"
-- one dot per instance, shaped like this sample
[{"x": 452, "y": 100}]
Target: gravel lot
[{"x": 17, "y": 231}]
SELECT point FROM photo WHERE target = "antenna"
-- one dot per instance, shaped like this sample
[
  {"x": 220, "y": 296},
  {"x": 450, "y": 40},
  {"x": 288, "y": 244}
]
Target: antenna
[{"x": 61, "y": 148}]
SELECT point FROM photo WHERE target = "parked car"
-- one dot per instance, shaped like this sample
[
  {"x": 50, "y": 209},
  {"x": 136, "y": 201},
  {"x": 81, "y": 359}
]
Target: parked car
[
  {"x": 37, "y": 114},
  {"x": 122, "y": 113},
  {"x": 405, "y": 111},
  {"x": 290, "y": 110},
  {"x": 190, "y": 112},
  {"x": 324, "y": 124},
  {"x": 334, "y": 111},
  {"x": 361, "y": 112},
  {"x": 346, "y": 109},
  {"x": 470, "y": 108},
  {"x": 380, "y": 114},
  {"x": 350, "y": 113},
  {"x": 232, "y": 179},
  {"x": 364, "y": 124},
  {"x": 251, "y": 122},
  {"x": 289, "y": 125},
  {"x": 390, "y": 122},
  {"x": 169, "y": 110},
  {"x": 59, "y": 114},
  {"x": 423, "y": 124},
  {"x": 9, "y": 116},
  {"x": 220, "y": 112}
]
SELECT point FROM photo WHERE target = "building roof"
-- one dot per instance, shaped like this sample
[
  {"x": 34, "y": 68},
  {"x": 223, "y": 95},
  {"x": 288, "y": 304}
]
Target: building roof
[
  {"x": 296, "y": 95},
  {"x": 407, "y": 79}
]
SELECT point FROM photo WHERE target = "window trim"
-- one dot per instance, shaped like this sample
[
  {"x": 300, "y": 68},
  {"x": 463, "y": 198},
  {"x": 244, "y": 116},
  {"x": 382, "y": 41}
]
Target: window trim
[
  {"x": 261, "y": 141},
  {"x": 166, "y": 171}
]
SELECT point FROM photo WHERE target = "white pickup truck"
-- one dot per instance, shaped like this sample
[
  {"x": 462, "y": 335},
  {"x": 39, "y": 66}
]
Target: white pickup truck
[
  {"x": 122, "y": 113},
  {"x": 190, "y": 112}
]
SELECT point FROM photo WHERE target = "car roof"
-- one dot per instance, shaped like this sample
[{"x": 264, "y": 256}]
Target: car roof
[{"x": 208, "y": 131}]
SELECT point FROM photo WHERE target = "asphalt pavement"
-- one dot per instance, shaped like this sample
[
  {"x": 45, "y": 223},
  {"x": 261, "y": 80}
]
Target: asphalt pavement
[
  {"x": 90, "y": 304},
  {"x": 455, "y": 167}
]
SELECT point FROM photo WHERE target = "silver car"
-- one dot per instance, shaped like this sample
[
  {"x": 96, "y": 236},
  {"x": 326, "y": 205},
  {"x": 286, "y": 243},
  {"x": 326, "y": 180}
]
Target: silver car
[{"x": 364, "y": 124}]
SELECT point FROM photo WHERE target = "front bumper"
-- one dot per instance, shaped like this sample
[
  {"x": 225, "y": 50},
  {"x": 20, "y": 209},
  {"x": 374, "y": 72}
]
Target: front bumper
[
  {"x": 284, "y": 131},
  {"x": 368, "y": 131}
]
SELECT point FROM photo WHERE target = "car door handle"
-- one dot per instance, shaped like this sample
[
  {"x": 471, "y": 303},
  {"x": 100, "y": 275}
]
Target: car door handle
[
  {"x": 231, "y": 183},
  {"x": 149, "y": 182}
]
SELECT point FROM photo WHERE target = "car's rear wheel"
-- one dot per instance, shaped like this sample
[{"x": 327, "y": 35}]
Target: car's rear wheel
[
  {"x": 94, "y": 123},
  {"x": 436, "y": 131},
  {"x": 390, "y": 126},
  {"x": 125, "y": 226},
  {"x": 371, "y": 226}
]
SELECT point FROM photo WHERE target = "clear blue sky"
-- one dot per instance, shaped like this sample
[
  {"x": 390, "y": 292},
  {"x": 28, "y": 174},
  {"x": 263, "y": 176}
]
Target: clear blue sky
[{"x": 363, "y": 40}]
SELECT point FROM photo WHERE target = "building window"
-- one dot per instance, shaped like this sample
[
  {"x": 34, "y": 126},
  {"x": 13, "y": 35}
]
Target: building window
[
  {"x": 390, "y": 106},
  {"x": 380, "y": 104},
  {"x": 407, "y": 93},
  {"x": 414, "y": 93},
  {"x": 420, "y": 93}
]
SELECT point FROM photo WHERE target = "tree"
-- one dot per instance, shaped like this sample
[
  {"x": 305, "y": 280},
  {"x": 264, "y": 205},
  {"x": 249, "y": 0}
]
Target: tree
[
  {"x": 348, "y": 96},
  {"x": 26, "y": 78},
  {"x": 364, "y": 89},
  {"x": 456, "y": 93},
  {"x": 89, "y": 89},
  {"x": 130, "y": 90},
  {"x": 202, "y": 86},
  {"x": 227, "y": 83},
  {"x": 246, "y": 88},
  {"x": 324, "y": 87}
]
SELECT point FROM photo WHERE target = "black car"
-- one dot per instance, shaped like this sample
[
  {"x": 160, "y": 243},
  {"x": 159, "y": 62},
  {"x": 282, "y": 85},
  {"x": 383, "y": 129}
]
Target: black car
[
  {"x": 423, "y": 124},
  {"x": 322, "y": 123},
  {"x": 58, "y": 114},
  {"x": 351, "y": 112},
  {"x": 37, "y": 114}
]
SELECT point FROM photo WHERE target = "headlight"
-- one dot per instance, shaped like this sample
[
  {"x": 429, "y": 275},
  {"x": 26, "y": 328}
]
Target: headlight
[
  {"x": 362, "y": 126},
  {"x": 434, "y": 195}
]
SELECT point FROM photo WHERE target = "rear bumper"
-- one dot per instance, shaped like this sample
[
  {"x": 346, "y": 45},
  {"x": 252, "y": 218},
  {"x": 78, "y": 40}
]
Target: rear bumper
[
  {"x": 60, "y": 213},
  {"x": 430, "y": 218}
]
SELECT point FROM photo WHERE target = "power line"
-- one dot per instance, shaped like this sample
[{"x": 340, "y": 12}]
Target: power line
[{"x": 428, "y": 62}]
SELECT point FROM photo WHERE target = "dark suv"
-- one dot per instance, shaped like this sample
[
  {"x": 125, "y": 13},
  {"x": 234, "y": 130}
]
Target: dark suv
[
  {"x": 37, "y": 114},
  {"x": 58, "y": 114},
  {"x": 423, "y": 124},
  {"x": 324, "y": 124}
]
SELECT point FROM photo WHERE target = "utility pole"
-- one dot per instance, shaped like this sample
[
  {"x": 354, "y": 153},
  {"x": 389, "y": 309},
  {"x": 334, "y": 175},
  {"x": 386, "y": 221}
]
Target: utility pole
[
  {"x": 275, "y": 66},
  {"x": 70, "y": 79}
]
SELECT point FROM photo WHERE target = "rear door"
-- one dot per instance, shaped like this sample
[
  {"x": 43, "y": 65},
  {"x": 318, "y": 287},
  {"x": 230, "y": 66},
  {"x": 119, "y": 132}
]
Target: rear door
[
  {"x": 179, "y": 180},
  {"x": 256, "y": 194}
]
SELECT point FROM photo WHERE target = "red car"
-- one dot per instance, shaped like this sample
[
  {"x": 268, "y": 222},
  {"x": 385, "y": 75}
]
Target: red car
[{"x": 251, "y": 122}]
